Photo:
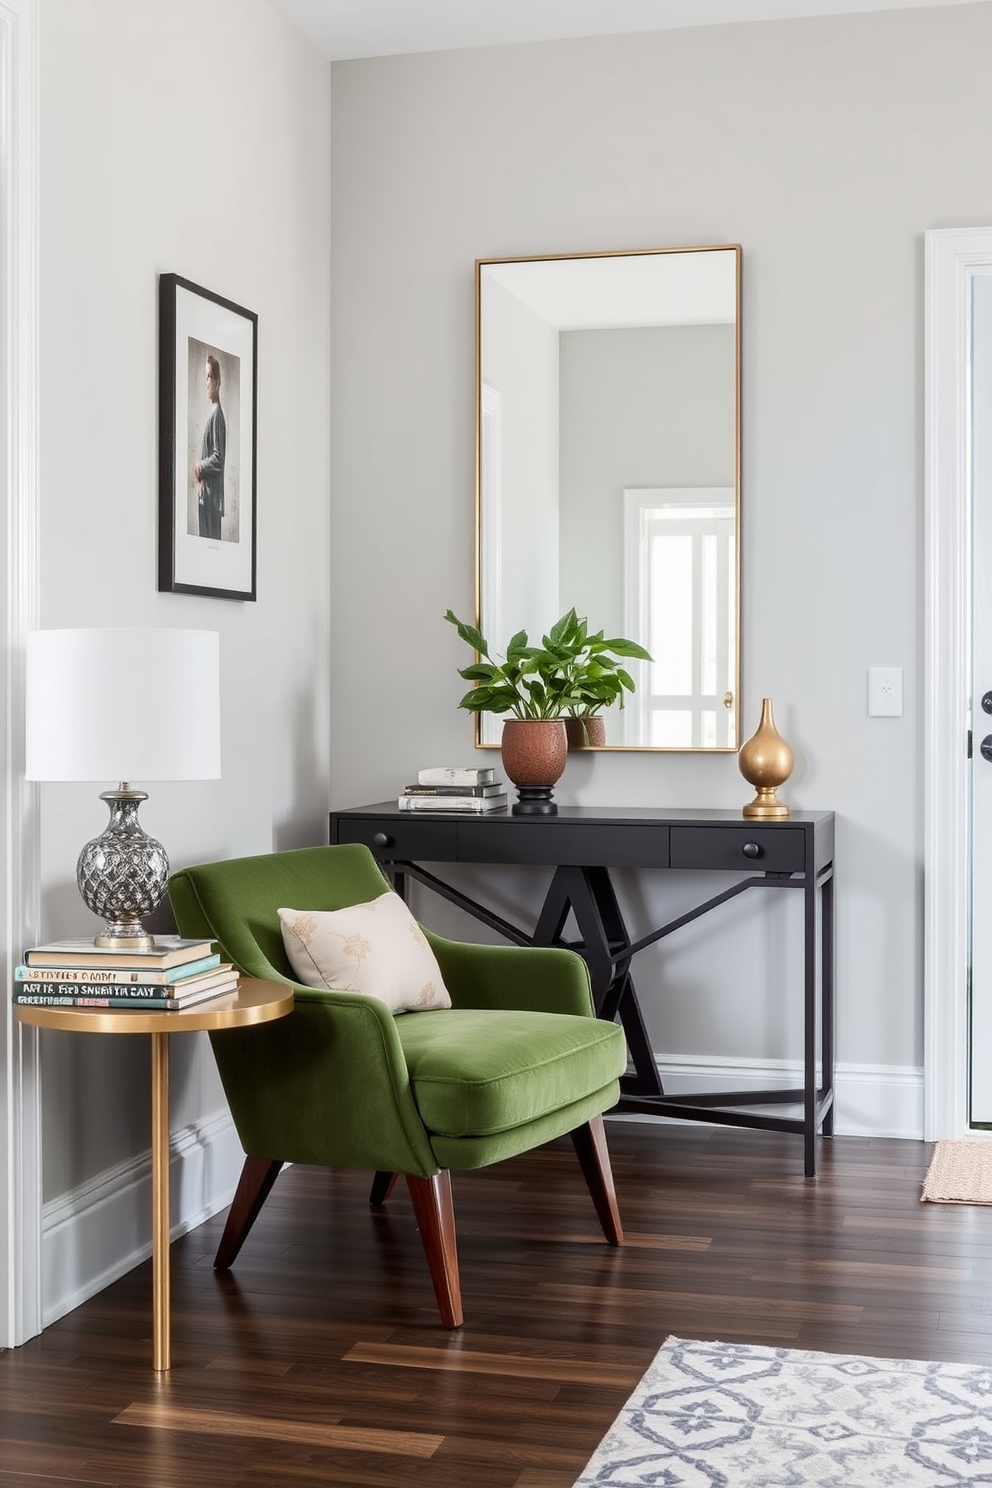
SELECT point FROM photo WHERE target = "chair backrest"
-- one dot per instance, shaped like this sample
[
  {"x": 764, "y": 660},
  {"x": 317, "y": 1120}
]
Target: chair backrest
[{"x": 237, "y": 902}]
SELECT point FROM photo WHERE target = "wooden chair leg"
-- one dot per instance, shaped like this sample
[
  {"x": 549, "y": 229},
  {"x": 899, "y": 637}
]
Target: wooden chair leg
[
  {"x": 382, "y": 1186},
  {"x": 436, "y": 1221},
  {"x": 594, "y": 1157},
  {"x": 254, "y": 1187}
]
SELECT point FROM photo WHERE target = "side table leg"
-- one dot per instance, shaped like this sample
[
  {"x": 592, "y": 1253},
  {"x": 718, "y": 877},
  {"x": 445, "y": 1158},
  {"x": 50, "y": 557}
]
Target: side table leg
[{"x": 161, "y": 1353}]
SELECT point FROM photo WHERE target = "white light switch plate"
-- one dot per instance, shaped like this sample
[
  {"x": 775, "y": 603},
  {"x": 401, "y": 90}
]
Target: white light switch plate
[{"x": 885, "y": 692}]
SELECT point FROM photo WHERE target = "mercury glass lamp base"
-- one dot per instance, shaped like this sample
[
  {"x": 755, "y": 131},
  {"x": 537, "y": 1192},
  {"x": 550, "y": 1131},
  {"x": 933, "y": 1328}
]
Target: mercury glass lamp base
[
  {"x": 110, "y": 942},
  {"x": 123, "y": 874}
]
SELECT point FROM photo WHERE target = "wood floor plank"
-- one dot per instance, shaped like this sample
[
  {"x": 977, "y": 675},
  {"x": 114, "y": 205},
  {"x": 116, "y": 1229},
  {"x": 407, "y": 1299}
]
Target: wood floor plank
[
  {"x": 466, "y": 1361},
  {"x": 539, "y": 1477},
  {"x": 725, "y": 1304},
  {"x": 890, "y": 1273},
  {"x": 248, "y": 1427},
  {"x": 639, "y": 1241}
]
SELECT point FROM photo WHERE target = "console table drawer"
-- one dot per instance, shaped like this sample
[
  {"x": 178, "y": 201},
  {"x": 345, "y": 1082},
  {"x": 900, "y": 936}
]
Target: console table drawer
[
  {"x": 553, "y": 841},
  {"x": 432, "y": 841},
  {"x": 744, "y": 848}
]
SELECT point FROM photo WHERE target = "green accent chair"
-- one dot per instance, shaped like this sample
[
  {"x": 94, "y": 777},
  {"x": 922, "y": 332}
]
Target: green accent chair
[{"x": 518, "y": 1060}]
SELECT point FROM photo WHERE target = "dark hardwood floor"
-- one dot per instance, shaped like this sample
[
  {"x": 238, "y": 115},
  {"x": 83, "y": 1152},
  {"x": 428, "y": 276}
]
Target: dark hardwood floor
[{"x": 320, "y": 1357}]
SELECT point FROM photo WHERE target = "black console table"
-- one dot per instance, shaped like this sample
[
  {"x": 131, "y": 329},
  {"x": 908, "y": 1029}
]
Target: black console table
[{"x": 582, "y": 844}]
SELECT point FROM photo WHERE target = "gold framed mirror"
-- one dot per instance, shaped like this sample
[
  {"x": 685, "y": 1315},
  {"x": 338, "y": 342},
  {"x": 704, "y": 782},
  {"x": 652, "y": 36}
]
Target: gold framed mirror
[{"x": 608, "y": 473}]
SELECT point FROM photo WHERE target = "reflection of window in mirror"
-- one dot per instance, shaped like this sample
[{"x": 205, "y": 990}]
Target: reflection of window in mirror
[{"x": 680, "y": 572}]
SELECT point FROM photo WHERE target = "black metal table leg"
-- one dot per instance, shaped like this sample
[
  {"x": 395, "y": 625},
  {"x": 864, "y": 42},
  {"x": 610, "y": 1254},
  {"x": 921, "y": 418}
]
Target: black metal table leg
[
  {"x": 810, "y": 946},
  {"x": 827, "y": 933},
  {"x": 604, "y": 945}
]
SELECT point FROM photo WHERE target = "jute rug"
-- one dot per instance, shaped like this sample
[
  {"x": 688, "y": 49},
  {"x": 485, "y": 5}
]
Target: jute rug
[
  {"x": 960, "y": 1173},
  {"x": 728, "y": 1415}
]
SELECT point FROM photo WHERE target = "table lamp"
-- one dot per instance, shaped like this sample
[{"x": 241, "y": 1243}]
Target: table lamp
[{"x": 123, "y": 705}]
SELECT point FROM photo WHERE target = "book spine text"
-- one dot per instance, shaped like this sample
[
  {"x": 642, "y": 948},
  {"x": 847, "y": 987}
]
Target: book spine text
[{"x": 87, "y": 991}]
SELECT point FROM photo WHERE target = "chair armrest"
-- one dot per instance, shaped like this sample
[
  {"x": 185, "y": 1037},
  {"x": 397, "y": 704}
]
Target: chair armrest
[
  {"x": 541, "y": 979},
  {"x": 328, "y": 1084}
]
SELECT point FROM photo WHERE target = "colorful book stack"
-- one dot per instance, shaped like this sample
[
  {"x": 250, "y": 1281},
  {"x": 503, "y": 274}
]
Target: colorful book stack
[
  {"x": 172, "y": 973},
  {"x": 457, "y": 788}
]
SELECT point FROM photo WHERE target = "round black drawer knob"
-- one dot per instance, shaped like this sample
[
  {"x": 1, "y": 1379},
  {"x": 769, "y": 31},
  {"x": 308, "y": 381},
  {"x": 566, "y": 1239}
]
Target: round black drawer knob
[
  {"x": 382, "y": 839},
  {"x": 985, "y": 748},
  {"x": 751, "y": 850},
  {"x": 987, "y": 702}
]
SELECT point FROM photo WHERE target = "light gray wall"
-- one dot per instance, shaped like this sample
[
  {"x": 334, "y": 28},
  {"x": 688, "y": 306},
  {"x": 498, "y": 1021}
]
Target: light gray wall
[
  {"x": 191, "y": 139},
  {"x": 826, "y": 148}
]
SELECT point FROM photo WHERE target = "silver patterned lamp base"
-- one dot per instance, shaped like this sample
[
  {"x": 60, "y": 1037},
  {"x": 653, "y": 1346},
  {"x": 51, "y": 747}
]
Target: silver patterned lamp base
[{"x": 123, "y": 874}]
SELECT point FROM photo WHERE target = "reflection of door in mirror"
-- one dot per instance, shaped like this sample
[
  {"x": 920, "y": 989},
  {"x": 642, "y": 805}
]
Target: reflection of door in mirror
[
  {"x": 609, "y": 473},
  {"x": 680, "y": 563}
]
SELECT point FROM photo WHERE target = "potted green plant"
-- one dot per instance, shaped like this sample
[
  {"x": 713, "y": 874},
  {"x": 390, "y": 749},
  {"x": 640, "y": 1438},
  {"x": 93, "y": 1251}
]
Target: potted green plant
[
  {"x": 572, "y": 675},
  {"x": 569, "y": 678}
]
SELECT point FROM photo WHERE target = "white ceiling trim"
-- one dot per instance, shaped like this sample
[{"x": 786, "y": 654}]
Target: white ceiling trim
[{"x": 348, "y": 29}]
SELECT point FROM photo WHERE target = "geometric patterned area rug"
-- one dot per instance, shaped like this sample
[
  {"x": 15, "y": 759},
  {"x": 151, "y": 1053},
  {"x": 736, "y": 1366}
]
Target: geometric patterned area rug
[
  {"x": 960, "y": 1173},
  {"x": 726, "y": 1415}
]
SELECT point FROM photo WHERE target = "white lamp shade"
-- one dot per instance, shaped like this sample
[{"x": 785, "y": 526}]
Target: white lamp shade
[{"x": 117, "y": 705}]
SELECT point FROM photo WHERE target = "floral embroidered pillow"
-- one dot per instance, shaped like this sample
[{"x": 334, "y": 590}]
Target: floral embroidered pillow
[{"x": 377, "y": 949}]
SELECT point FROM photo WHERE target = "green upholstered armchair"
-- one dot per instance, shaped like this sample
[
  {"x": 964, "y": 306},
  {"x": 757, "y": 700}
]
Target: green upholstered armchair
[{"x": 518, "y": 1059}]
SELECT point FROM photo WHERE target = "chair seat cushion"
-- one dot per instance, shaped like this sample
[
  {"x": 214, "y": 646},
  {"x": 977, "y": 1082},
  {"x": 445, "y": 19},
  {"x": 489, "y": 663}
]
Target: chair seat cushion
[{"x": 478, "y": 1072}]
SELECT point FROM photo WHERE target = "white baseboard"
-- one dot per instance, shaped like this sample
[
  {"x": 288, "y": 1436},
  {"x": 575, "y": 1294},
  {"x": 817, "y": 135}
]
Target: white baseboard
[
  {"x": 884, "y": 1100},
  {"x": 102, "y": 1229}
]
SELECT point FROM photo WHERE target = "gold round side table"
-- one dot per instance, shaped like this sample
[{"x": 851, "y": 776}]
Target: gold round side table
[{"x": 254, "y": 1001}]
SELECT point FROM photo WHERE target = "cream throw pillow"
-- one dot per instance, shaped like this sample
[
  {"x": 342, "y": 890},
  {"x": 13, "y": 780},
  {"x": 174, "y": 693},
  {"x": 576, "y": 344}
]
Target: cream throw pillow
[{"x": 377, "y": 949}]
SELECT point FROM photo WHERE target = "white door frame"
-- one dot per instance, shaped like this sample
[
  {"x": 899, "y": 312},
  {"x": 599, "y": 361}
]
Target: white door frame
[
  {"x": 20, "y": 1106},
  {"x": 951, "y": 257}
]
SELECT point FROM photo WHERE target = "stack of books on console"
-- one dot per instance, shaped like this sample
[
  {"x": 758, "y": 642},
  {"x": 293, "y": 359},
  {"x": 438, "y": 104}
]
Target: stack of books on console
[
  {"x": 172, "y": 973},
  {"x": 456, "y": 788}
]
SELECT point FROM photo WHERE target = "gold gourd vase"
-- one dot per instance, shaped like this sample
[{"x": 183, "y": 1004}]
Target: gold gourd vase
[{"x": 765, "y": 761}]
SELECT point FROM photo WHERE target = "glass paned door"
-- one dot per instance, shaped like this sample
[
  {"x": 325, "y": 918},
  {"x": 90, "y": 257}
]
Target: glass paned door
[{"x": 980, "y": 446}]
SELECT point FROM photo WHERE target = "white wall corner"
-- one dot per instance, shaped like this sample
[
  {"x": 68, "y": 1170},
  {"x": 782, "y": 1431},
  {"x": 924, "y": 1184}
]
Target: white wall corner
[
  {"x": 20, "y": 1102},
  {"x": 97, "y": 1232}
]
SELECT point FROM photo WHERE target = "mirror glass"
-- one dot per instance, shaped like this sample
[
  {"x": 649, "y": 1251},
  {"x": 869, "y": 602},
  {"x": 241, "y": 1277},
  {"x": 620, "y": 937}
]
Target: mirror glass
[{"x": 608, "y": 474}]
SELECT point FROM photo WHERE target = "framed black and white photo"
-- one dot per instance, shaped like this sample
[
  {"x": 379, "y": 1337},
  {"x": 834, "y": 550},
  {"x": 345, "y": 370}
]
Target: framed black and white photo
[{"x": 208, "y": 362}]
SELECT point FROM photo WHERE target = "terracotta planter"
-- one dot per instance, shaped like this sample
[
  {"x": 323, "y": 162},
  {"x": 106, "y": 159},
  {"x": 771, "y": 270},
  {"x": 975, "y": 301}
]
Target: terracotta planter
[
  {"x": 535, "y": 752},
  {"x": 585, "y": 733}
]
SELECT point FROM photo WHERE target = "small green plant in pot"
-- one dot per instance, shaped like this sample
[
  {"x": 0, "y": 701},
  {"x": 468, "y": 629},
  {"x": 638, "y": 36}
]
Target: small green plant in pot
[
  {"x": 594, "y": 677},
  {"x": 572, "y": 675}
]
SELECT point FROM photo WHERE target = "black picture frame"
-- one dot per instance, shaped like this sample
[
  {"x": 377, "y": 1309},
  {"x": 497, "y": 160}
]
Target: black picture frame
[{"x": 206, "y": 540}]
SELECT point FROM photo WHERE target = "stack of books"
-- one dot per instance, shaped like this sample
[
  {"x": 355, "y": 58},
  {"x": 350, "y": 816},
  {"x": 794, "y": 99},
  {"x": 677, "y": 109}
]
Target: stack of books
[
  {"x": 454, "y": 788},
  {"x": 172, "y": 973}
]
